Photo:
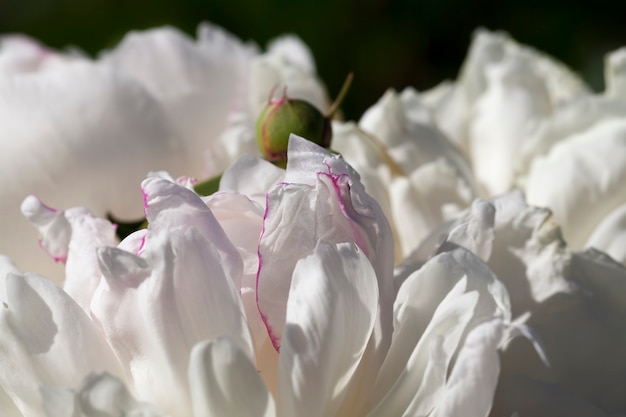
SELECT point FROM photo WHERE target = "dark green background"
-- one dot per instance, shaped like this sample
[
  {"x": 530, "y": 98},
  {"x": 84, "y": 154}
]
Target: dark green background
[{"x": 386, "y": 43}]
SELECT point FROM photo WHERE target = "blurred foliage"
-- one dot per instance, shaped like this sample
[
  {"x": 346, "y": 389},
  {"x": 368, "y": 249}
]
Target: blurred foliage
[{"x": 387, "y": 43}]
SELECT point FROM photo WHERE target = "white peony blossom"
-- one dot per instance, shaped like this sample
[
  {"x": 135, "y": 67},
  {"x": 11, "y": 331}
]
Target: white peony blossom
[{"x": 162, "y": 327}]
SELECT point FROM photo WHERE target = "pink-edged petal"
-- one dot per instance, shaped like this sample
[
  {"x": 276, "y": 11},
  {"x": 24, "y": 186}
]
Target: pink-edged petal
[
  {"x": 53, "y": 227},
  {"x": 72, "y": 236},
  {"x": 21, "y": 55},
  {"x": 169, "y": 206},
  {"x": 224, "y": 382},
  {"x": 181, "y": 290},
  {"x": 46, "y": 340},
  {"x": 331, "y": 314},
  {"x": 321, "y": 199},
  {"x": 82, "y": 271},
  {"x": 242, "y": 221}
]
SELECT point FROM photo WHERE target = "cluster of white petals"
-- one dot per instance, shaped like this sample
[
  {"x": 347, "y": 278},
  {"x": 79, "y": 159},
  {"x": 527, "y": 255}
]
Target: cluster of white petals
[
  {"x": 87, "y": 131},
  {"x": 462, "y": 254},
  {"x": 197, "y": 315}
]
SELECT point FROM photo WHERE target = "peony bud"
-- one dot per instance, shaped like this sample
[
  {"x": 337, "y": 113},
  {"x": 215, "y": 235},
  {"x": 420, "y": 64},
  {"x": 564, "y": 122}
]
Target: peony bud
[{"x": 284, "y": 116}]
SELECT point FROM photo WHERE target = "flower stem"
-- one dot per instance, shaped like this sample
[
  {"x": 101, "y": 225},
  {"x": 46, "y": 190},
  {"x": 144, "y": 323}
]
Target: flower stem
[{"x": 342, "y": 94}]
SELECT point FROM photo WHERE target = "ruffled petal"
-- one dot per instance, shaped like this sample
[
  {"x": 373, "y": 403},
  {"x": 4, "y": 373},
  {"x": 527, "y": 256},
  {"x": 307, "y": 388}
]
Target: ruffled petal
[
  {"x": 436, "y": 308},
  {"x": 591, "y": 169},
  {"x": 454, "y": 108},
  {"x": 551, "y": 289},
  {"x": 182, "y": 289},
  {"x": 495, "y": 136},
  {"x": 72, "y": 236},
  {"x": 403, "y": 156},
  {"x": 321, "y": 198},
  {"x": 198, "y": 83},
  {"x": 20, "y": 54}
]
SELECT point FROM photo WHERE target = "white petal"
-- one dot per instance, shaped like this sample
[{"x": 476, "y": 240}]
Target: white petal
[
  {"x": 182, "y": 290},
  {"x": 409, "y": 168},
  {"x": 237, "y": 177},
  {"x": 320, "y": 200},
  {"x": 20, "y": 54},
  {"x": 82, "y": 271},
  {"x": 455, "y": 109},
  {"x": 224, "y": 382},
  {"x": 66, "y": 127},
  {"x": 331, "y": 314},
  {"x": 428, "y": 329},
  {"x": 72, "y": 236},
  {"x": 475, "y": 231},
  {"x": 591, "y": 169},
  {"x": 574, "y": 118},
  {"x": 197, "y": 83},
  {"x": 496, "y": 135},
  {"x": 46, "y": 339},
  {"x": 409, "y": 141},
  {"x": 292, "y": 48},
  {"x": 276, "y": 68},
  {"x": 242, "y": 221},
  {"x": 470, "y": 388},
  {"x": 615, "y": 73},
  {"x": 610, "y": 235},
  {"x": 6, "y": 267}
]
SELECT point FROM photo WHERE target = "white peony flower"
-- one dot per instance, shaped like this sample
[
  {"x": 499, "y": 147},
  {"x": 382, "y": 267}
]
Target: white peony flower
[{"x": 161, "y": 327}]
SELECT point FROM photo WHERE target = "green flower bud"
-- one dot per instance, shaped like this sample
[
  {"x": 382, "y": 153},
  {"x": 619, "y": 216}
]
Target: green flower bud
[{"x": 282, "y": 117}]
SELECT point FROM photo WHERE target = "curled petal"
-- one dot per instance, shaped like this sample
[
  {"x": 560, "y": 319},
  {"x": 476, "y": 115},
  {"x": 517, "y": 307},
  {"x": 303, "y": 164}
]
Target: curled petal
[
  {"x": 224, "y": 382},
  {"x": 322, "y": 198},
  {"x": 46, "y": 339},
  {"x": 183, "y": 288},
  {"x": 331, "y": 314}
]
